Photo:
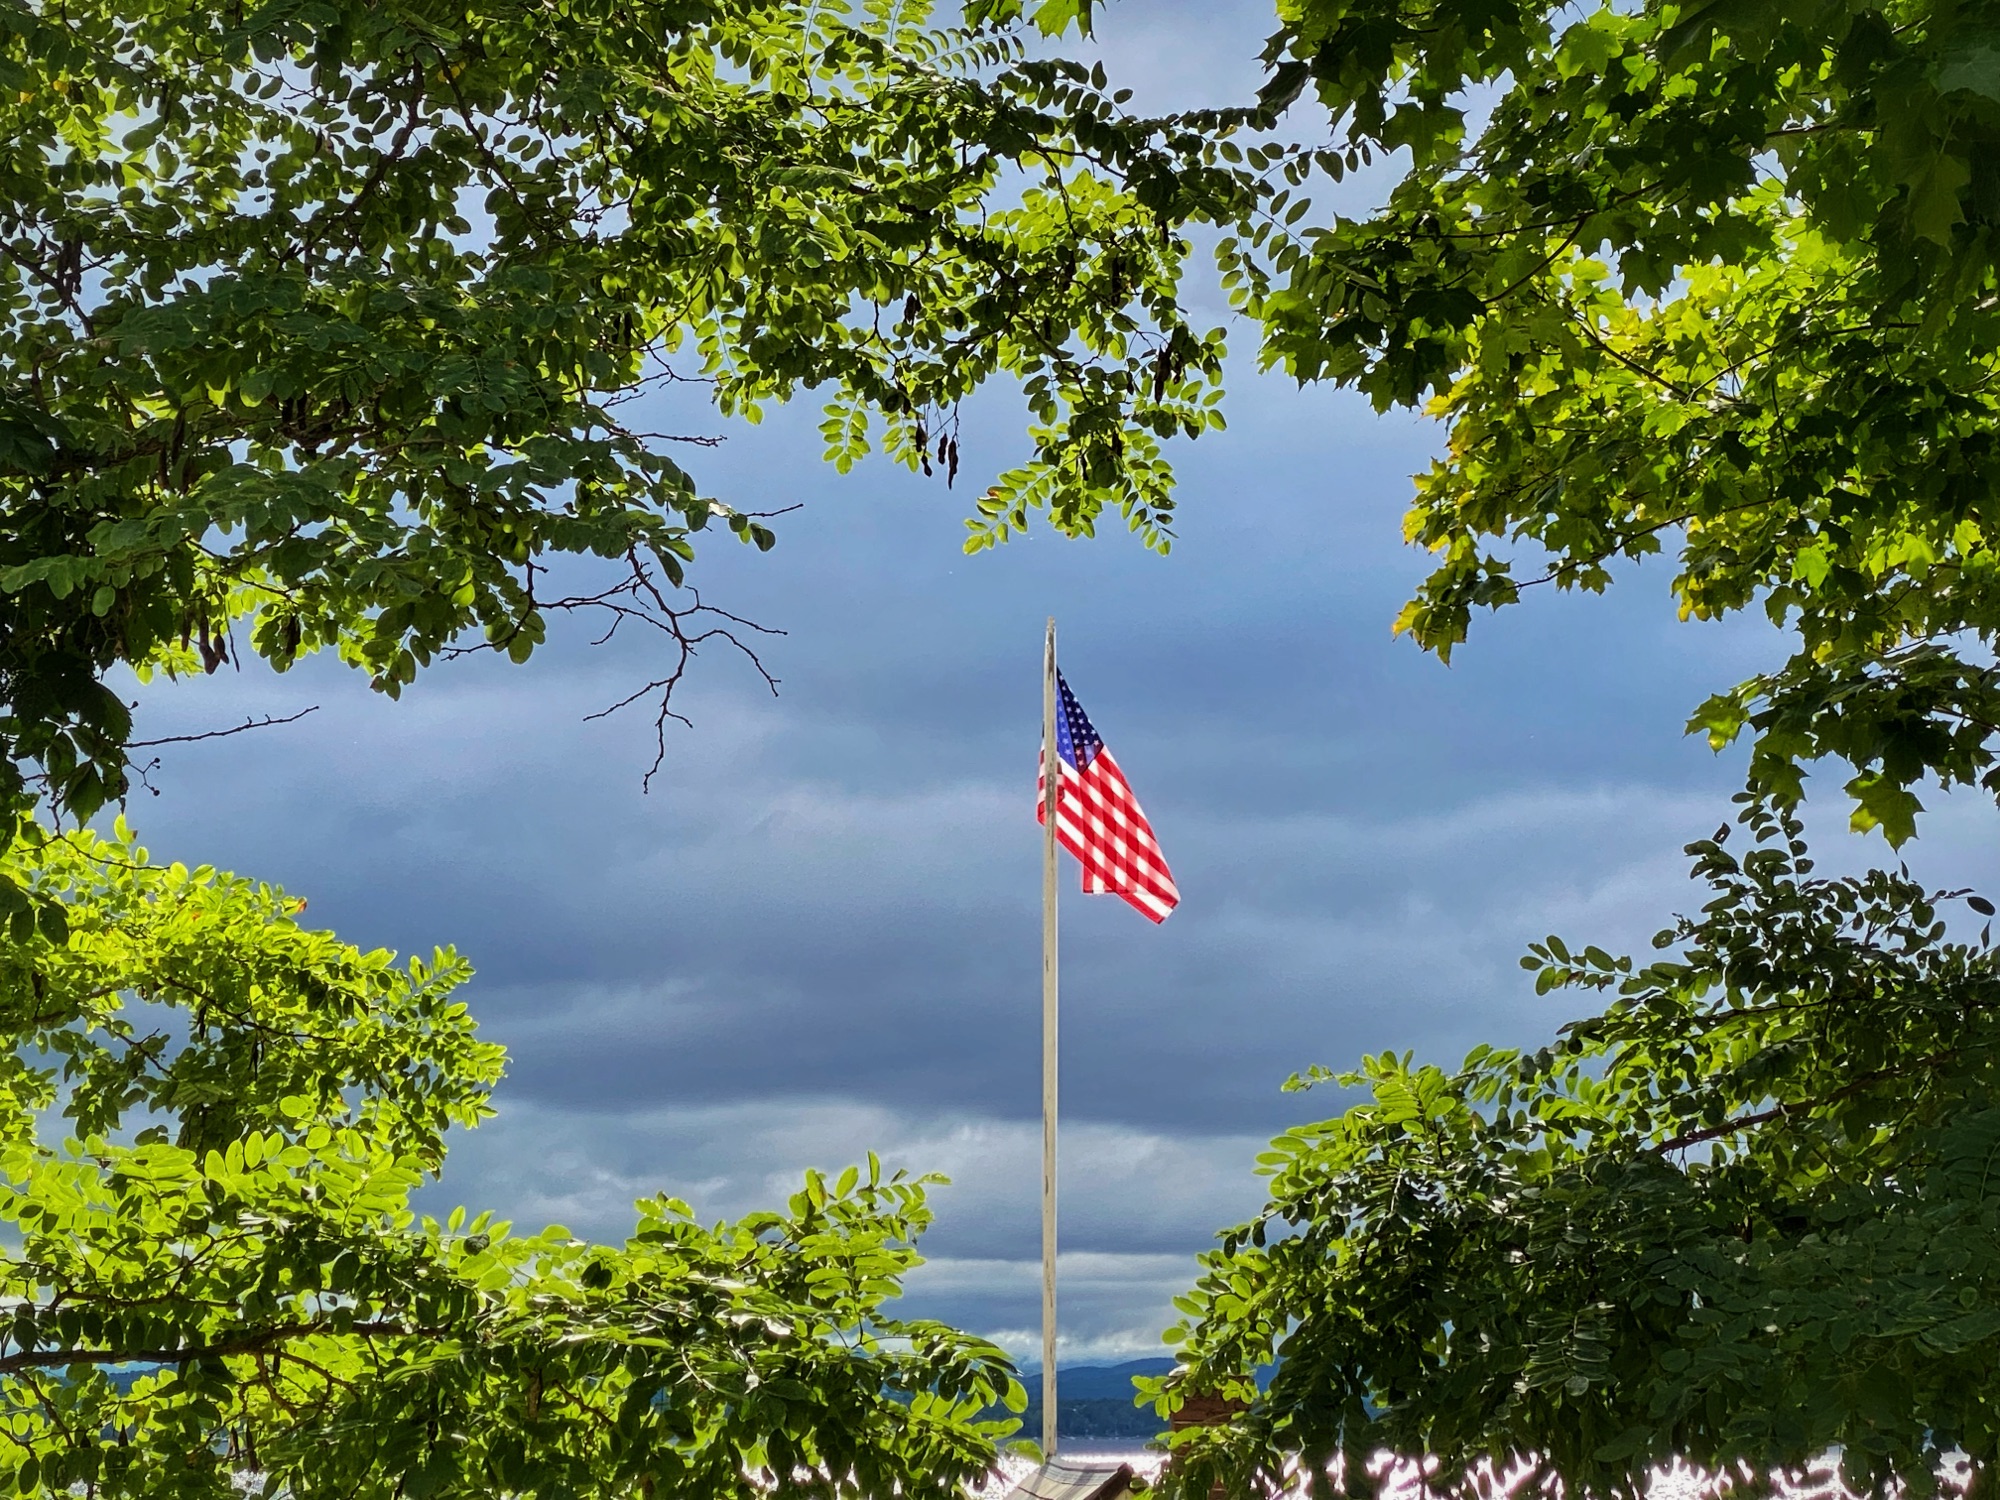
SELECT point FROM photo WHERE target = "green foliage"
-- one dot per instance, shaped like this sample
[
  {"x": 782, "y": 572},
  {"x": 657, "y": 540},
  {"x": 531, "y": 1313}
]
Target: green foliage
[
  {"x": 211, "y": 1122},
  {"x": 323, "y": 316},
  {"x": 1716, "y": 278},
  {"x": 1748, "y": 1213}
]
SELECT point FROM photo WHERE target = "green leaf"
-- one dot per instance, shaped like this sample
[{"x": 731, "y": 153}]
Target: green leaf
[
  {"x": 1935, "y": 196},
  {"x": 1974, "y": 68}
]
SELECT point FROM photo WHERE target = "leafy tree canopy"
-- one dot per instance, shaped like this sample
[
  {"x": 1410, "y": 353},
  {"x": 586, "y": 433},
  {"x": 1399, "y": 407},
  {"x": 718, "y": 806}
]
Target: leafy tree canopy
[
  {"x": 1715, "y": 278},
  {"x": 325, "y": 316},
  {"x": 211, "y": 1121},
  {"x": 1748, "y": 1213}
]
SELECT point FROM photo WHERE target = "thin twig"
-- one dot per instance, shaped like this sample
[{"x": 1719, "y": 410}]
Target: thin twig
[
  {"x": 267, "y": 722},
  {"x": 642, "y": 600}
]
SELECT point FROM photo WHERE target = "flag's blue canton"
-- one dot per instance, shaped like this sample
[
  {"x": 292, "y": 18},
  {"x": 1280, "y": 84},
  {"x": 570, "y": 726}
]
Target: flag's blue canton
[{"x": 1073, "y": 731}]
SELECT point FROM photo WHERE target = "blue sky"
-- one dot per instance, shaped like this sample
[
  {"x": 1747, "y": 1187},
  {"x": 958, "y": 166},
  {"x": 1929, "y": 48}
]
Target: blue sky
[{"x": 818, "y": 934}]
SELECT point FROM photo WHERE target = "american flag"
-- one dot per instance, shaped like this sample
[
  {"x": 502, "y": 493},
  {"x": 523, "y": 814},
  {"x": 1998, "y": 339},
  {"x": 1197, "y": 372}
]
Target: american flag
[{"x": 1099, "y": 821}]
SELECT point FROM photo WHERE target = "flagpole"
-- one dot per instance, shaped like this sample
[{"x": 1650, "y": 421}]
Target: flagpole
[{"x": 1051, "y": 779}]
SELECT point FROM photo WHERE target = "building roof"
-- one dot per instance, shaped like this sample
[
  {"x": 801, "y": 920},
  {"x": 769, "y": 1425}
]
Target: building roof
[{"x": 1064, "y": 1479}]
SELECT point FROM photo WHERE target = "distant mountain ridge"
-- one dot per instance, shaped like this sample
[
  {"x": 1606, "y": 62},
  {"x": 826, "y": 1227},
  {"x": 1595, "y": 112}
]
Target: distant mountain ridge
[
  {"x": 1102, "y": 1381},
  {"x": 1095, "y": 1382},
  {"x": 1095, "y": 1401}
]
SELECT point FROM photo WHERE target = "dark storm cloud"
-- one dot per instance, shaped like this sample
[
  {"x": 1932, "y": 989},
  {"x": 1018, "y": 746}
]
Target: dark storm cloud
[
  {"x": 834, "y": 894},
  {"x": 818, "y": 934}
]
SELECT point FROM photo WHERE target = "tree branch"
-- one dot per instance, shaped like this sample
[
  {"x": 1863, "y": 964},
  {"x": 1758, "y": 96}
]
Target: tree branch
[
  {"x": 251, "y": 1342},
  {"x": 267, "y": 722},
  {"x": 1800, "y": 1106}
]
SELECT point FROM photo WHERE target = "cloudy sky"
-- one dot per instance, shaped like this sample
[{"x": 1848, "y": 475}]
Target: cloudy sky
[{"x": 818, "y": 934}]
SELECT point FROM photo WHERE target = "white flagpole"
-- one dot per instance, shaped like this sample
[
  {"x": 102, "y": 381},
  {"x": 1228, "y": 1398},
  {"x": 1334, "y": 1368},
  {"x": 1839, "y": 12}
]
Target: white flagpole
[{"x": 1051, "y": 779}]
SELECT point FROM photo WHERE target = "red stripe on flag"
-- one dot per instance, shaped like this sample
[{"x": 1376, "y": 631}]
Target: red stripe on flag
[{"x": 1100, "y": 822}]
